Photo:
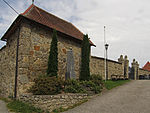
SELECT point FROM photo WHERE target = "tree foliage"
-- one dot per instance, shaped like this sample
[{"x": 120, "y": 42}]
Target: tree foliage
[
  {"x": 53, "y": 56},
  {"x": 85, "y": 59}
]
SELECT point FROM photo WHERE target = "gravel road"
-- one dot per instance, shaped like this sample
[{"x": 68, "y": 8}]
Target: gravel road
[{"x": 133, "y": 97}]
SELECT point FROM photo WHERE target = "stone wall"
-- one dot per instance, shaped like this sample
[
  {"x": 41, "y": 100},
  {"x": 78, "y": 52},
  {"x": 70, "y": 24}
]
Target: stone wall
[
  {"x": 8, "y": 65},
  {"x": 143, "y": 72},
  {"x": 34, "y": 47},
  {"x": 51, "y": 102},
  {"x": 38, "y": 39},
  {"x": 97, "y": 67}
]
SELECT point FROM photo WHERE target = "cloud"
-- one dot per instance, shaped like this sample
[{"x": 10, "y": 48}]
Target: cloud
[{"x": 127, "y": 23}]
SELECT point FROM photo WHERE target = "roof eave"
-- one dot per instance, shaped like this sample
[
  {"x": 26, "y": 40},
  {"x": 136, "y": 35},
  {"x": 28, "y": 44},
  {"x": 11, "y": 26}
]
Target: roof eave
[
  {"x": 17, "y": 23},
  {"x": 91, "y": 43}
]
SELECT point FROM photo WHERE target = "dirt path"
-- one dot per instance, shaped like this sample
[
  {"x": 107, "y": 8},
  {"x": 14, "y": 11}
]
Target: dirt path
[
  {"x": 3, "y": 108},
  {"x": 133, "y": 97}
]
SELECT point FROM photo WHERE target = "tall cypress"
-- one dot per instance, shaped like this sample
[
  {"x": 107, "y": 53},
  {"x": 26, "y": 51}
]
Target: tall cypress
[
  {"x": 53, "y": 56},
  {"x": 85, "y": 59}
]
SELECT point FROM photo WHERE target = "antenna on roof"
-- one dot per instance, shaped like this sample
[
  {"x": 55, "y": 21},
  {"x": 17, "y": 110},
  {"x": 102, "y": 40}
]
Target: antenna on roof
[
  {"x": 32, "y": 1},
  {"x": 11, "y": 7}
]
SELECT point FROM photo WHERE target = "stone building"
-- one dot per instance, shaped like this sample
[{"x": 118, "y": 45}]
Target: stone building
[
  {"x": 27, "y": 50},
  {"x": 31, "y": 34},
  {"x": 146, "y": 66}
]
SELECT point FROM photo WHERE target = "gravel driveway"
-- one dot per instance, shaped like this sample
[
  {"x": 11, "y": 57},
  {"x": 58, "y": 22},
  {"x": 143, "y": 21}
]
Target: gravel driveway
[
  {"x": 3, "y": 108},
  {"x": 133, "y": 97}
]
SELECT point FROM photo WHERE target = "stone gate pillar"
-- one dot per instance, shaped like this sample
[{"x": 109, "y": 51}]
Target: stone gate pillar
[
  {"x": 134, "y": 70},
  {"x": 126, "y": 67},
  {"x": 121, "y": 60},
  {"x": 137, "y": 73}
]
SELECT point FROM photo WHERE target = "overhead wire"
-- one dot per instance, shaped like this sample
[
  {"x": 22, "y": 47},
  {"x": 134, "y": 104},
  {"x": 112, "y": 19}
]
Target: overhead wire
[{"x": 11, "y": 7}]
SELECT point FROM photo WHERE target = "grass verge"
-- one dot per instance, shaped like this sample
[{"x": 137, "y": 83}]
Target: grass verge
[
  {"x": 112, "y": 84},
  {"x": 20, "y": 107},
  {"x": 4, "y": 99},
  {"x": 59, "y": 110}
]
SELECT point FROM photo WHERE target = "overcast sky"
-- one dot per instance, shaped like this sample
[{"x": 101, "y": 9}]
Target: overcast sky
[{"x": 127, "y": 23}]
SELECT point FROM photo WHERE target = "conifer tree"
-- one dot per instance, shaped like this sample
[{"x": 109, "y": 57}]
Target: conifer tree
[
  {"x": 53, "y": 56},
  {"x": 85, "y": 59}
]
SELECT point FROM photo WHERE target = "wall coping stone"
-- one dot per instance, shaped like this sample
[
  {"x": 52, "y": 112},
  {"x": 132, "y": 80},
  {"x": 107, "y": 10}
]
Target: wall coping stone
[{"x": 104, "y": 59}]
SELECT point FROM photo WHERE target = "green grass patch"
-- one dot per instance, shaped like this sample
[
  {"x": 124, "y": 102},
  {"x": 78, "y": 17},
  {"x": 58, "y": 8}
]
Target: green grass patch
[
  {"x": 109, "y": 84},
  {"x": 59, "y": 110},
  {"x": 4, "y": 99},
  {"x": 20, "y": 107}
]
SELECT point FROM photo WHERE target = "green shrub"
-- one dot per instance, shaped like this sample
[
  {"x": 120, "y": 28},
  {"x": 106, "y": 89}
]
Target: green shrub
[
  {"x": 45, "y": 85},
  {"x": 88, "y": 84},
  {"x": 91, "y": 86},
  {"x": 97, "y": 89},
  {"x": 97, "y": 79},
  {"x": 73, "y": 86}
]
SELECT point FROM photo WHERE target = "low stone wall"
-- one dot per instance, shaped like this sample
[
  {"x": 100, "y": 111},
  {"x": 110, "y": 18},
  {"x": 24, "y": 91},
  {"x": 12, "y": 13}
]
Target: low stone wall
[{"x": 51, "y": 102}]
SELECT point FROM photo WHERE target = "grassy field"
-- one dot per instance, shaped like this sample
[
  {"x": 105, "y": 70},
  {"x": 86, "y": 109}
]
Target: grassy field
[{"x": 111, "y": 84}]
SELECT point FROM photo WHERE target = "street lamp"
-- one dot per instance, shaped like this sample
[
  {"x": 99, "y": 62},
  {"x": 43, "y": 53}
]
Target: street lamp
[{"x": 106, "y": 61}]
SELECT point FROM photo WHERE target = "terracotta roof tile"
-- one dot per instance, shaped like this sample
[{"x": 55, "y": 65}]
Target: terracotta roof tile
[
  {"x": 37, "y": 14},
  {"x": 147, "y": 66}
]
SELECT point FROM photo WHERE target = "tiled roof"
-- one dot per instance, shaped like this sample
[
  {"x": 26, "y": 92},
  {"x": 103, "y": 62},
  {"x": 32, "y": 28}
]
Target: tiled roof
[
  {"x": 147, "y": 66},
  {"x": 39, "y": 15}
]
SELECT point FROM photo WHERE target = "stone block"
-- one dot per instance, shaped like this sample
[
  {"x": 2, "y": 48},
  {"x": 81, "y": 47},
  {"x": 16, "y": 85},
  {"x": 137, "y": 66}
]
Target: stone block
[
  {"x": 37, "y": 48},
  {"x": 31, "y": 52},
  {"x": 23, "y": 79}
]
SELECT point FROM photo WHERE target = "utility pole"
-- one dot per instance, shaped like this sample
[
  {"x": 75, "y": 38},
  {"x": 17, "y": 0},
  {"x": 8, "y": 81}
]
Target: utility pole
[
  {"x": 106, "y": 47},
  {"x": 104, "y": 54}
]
